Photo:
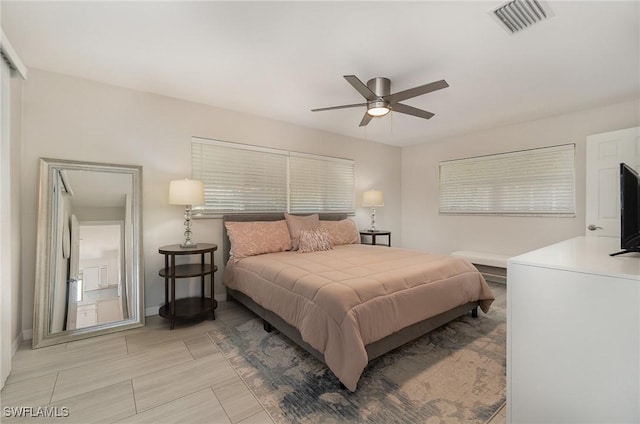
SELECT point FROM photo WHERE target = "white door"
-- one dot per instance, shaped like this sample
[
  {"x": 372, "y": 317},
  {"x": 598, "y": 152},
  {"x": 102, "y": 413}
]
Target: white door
[
  {"x": 605, "y": 152},
  {"x": 7, "y": 311}
]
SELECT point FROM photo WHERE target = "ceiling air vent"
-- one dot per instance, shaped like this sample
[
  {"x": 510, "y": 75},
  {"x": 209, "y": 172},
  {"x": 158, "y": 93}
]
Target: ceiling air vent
[{"x": 516, "y": 15}]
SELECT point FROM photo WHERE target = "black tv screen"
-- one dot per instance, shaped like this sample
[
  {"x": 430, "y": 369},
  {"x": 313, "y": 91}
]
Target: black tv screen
[{"x": 629, "y": 209}]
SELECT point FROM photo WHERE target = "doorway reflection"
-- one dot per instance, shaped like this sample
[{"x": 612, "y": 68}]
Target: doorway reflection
[
  {"x": 93, "y": 283},
  {"x": 99, "y": 292}
]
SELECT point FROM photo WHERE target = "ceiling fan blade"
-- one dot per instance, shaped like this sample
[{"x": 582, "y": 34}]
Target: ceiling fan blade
[
  {"x": 365, "y": 119},
  {"x": 416, "y": 91},
  {"x": 361, "y": 87},
  {"x": 410, "y": 110},
  {"x": 338, "y": 107}
]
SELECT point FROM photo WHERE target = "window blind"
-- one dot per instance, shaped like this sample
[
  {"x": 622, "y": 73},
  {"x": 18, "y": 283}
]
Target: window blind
[
  {"x": 321, "y": 184},
  {"x": 530, "y": 182},
  {"x": 241, "y": 178}
]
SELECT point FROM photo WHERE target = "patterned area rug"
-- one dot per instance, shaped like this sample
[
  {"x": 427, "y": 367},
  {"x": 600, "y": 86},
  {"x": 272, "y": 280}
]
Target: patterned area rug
[{"x": 455, "y": 374}]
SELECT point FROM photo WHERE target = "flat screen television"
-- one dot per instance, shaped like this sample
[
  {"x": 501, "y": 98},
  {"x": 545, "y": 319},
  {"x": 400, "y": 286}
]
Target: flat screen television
[{"x": 629, "y": 210}]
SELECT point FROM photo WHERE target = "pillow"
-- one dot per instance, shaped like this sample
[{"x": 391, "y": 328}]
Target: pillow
[
  {"x": 342, "y": 232},
  {"x": 297, "y": 223},
  {"x": 257, "y": 237},
  {"x": 315, "y": 240}
]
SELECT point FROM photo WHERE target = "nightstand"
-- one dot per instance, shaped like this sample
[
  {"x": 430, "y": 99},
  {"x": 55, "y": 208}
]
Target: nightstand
[
  {"x": 374, "y": 234},
  {"x": 190, "y": 308}
]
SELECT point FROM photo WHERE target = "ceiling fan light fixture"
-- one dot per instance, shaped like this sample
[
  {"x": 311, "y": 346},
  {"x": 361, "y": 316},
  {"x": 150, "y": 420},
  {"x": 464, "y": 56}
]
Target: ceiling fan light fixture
[
  {"x": 378, "y": 108},
  {"x": 378, "y": 111}
]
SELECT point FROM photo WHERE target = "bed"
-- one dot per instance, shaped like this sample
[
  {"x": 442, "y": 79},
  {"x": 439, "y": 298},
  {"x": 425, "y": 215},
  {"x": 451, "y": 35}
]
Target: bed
[{"x": 347, "y": 303}]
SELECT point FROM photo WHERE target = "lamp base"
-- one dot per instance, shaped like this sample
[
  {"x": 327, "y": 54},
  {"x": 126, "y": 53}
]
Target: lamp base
[
  {"x": 372, "y": 228},
  {"x": 188, "y": 244}
]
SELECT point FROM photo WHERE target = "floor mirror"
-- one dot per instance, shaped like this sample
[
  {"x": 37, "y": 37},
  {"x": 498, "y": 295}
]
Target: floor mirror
[{"x": 89, "y": 273}]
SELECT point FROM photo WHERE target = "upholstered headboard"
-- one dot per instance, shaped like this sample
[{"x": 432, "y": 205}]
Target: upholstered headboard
[{"x": 275, "y": 216}]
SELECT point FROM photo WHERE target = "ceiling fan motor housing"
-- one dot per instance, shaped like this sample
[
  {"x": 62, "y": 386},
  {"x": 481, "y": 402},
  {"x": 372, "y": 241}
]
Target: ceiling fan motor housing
[
  {"x": 380, "y": 86},
  {"x": 377, "y": 103}
]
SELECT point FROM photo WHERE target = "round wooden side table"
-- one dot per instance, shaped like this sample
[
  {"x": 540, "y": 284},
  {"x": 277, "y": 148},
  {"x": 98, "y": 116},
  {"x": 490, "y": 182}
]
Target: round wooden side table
[{"x": 189, "y": 308}]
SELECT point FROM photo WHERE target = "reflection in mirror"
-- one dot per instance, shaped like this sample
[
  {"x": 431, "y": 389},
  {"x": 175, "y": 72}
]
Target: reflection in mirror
[
  {"x": 89, "y": 277},
  {"x": 100, "y": 294}
]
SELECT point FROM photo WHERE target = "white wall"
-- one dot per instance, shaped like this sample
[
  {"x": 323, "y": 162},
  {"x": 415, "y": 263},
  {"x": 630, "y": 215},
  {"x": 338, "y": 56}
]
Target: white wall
[
  {"x": 423, "y": 228},
  {"x": 70, "y": 118}
]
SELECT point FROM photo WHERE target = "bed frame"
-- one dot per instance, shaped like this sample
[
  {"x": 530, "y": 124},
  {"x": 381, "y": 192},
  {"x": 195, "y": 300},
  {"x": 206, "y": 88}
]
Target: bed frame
[{"x": 374, "y": 350}]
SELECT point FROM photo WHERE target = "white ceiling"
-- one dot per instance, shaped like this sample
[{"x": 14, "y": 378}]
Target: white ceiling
[
  {"x": 96, "y": 189},
  {"x": 282, "y": 59}
]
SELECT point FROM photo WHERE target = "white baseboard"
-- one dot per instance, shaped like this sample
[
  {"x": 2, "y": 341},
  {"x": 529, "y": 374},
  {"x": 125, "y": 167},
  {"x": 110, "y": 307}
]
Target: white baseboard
[
  {"x": 16, "y": 344},
  {"x": 26, "y": 335}
]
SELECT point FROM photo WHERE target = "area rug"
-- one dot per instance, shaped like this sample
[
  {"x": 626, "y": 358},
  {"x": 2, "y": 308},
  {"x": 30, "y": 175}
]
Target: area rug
[{"x": 455, "y": 374}]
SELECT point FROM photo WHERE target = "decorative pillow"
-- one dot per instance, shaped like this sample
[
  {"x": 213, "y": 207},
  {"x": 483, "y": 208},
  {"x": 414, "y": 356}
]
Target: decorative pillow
[
  {"x": 342, "y": 232},
  {"x": 297, "y": 223},
  {"x": 257, "y": 237},
  {"x": 315, "y": 240}
]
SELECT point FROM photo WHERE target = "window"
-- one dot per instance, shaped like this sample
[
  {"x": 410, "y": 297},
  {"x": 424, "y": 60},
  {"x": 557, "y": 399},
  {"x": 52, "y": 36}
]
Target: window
[
  {"x": 241, "y": 178},
  {"x": 530, "y": 182}
]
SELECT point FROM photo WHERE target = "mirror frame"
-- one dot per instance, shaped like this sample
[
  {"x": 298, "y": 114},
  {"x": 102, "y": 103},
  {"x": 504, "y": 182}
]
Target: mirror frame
[{"x": 45, "y": 267}]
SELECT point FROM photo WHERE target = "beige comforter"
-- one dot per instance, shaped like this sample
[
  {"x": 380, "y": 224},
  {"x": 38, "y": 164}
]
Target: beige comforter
[{"x": 344, "y": 298}]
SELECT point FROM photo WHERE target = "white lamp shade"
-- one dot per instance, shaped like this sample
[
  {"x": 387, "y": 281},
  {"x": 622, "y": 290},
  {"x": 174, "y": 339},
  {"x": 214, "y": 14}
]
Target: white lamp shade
[
  {"x": 186, "y": 192},
  {"x": 373, "y": 198}
]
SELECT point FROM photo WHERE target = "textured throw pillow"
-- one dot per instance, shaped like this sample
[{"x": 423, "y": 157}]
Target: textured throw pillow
[
  {"x": 342, "y": 232},
  {"x": 257, "y": 237},
  {"x": 314, "y": 240},
  {"x": 297, "y": 223}
]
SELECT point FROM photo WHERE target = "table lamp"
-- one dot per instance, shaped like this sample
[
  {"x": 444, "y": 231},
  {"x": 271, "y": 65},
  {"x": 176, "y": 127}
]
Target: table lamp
[
  {"x": 188, "y": 193},
  {"x": 373, "y": 198}
]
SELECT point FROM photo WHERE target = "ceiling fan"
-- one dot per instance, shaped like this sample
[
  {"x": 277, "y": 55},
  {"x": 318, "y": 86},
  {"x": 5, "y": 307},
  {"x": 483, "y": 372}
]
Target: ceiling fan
[{"x": 380, "y": 100}]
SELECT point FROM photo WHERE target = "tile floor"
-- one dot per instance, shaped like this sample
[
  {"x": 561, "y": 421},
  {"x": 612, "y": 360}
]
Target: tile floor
[{"x": 144, "y": 375}]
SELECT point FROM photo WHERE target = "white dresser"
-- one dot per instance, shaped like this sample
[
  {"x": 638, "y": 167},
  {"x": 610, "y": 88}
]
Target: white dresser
[{"x": 573, "y": 334}]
